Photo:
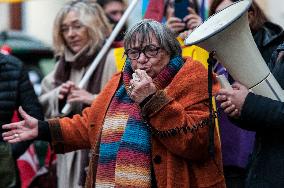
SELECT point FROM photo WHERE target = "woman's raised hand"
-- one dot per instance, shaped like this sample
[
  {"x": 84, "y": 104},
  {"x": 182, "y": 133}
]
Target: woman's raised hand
[
  {"x": 26, "y": 129},
  {"x": 80, "y": 95},
  {"x": 175, "y": 24},
  {"x": 65, "y": 89},
  {"x": 142, "y": 86},
  {"x": 192, "y": 20}
]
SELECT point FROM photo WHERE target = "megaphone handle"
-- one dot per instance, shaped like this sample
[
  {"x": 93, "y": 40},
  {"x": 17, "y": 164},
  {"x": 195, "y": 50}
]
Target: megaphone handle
[
  {"x": 224, "y": 82},
  {"x": 66, "y": 109},
  {"x": 211, "y": 61}
]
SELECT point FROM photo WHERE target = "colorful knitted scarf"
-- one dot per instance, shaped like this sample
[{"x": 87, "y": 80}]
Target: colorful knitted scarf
[{"x": 125, "y": 147}]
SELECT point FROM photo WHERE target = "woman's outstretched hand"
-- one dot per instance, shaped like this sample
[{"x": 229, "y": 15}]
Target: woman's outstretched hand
[{"x": 26, "y": 129}]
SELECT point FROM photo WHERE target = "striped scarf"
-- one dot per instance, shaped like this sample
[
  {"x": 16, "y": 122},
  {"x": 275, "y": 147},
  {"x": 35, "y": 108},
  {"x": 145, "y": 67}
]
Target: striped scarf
[{"x": 125, "y": 147}]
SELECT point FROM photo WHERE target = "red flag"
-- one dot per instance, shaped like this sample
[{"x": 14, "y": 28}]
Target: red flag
[
  {"x": 29, "y": 168},
  {"x": 5, "y": 49},
  {"x": 155, "y": 10}
]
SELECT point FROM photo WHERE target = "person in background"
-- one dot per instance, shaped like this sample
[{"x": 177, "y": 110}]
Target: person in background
[
  {"x": 148, "y": 127},
  {"x": 177, "y": 26},
  {"x": 264, "y": 116},
  {"x": 267, "y": 36},
  {"x": 114, "y": 10},
  {"x": 80, "y": 30},
  {"x": 189, "y": 22},
  {"x": 15, "y": 90}
]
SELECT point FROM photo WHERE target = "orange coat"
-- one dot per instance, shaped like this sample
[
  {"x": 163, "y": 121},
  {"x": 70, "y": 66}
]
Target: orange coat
[{"x": 178, "y": 117}]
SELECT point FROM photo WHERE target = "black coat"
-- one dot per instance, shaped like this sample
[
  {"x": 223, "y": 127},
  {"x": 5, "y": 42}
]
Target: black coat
[
  {"x": 16, "y": 90},
  {"x": 266, "y": 117},
  {"x": 267, "y": 38}
]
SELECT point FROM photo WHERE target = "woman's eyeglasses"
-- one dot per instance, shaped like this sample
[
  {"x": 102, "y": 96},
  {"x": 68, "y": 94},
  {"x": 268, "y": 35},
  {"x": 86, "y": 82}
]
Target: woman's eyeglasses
[
  {"x": 149, "y": 51},
  {"x": 76, "y": 26}
]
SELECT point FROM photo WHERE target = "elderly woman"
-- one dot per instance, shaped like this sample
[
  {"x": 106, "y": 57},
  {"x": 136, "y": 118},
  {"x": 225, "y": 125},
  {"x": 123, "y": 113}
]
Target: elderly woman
[
  {"x": 148, "y": 127},
  {"x": 80, "y": 30}
]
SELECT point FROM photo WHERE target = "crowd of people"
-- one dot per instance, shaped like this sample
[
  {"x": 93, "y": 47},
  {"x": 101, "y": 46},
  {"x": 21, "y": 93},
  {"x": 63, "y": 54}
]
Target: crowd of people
[{"x": 147, "y": 125}]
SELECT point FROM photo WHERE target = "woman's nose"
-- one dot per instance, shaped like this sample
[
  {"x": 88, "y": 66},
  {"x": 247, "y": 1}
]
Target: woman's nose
[
  {"x": 142, "y": 58},
  {"x": 71, "y": 32}
]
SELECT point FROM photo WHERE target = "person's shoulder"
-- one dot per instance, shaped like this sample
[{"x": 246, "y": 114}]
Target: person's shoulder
[
  {"x": 116, "y": 76},
  {"x": 191, "y": 70},
  {"x": 11, "y": 60},
  {"x": 272, "y": 27},
  {"x": 193, "y": 65},
  {"x": 114, "y": 80},
  {"x": 271, "y": 33}
]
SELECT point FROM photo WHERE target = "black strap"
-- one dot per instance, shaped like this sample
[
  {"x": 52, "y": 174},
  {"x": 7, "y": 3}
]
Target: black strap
[{"x": 211, "y": 61}]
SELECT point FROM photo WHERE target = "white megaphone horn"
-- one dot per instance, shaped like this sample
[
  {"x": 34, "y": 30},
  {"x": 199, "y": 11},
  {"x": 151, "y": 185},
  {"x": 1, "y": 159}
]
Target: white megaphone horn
[{"x": 228, "y": 34}]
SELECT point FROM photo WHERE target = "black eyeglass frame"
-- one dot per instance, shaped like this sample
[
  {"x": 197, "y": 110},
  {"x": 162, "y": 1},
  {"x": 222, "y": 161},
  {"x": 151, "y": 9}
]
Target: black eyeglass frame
[{"x": 147, "y": 47}]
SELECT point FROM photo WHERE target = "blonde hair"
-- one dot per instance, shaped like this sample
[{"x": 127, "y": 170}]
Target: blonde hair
[{"x": 91, "y": 16}]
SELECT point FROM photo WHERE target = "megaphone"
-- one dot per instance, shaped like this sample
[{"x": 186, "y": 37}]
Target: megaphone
[{"x": 228, "y": 34}]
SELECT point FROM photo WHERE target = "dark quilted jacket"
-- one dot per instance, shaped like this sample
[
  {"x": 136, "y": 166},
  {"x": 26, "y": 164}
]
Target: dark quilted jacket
[
  {"x": 266, "y": 117},
  {"x": 16, "y": 90}
]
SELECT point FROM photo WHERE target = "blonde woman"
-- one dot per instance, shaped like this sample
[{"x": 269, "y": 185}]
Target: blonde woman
[{"x": 80, "y": 30}]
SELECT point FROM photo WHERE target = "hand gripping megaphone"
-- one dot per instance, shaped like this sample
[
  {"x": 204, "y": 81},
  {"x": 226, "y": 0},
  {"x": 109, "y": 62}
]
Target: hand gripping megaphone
[{"x": 228, "y": 34}]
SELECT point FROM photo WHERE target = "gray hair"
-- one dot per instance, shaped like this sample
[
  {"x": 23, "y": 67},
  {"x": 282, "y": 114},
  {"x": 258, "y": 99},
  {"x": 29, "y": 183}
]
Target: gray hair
[
  {"x": 142, "y": 31},
  {"x": 91, "y": 16}
]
